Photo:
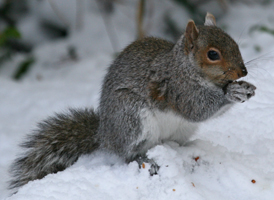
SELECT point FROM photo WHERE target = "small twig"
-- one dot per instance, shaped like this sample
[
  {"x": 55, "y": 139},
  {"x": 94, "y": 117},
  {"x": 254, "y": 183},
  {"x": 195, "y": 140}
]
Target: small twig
[
  {"x": 150, "y": 12},
  {"x": 140, "y": 18}
]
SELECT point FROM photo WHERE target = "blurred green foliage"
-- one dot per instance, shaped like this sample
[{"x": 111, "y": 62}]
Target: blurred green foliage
[
  {"x": 9, "y": 32},
  {"x": 6, "y": 51},
  {"x": 11, "y": 11},
  {"x": 10, "y": 38},
  {"x": 23, "y": 68},
  {"x": 261, "y": 28},
  {"x": 257, "y": 48}
]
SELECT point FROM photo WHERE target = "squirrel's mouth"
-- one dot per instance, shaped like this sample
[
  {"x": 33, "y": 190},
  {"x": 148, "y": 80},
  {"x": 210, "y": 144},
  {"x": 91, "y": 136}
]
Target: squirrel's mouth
[{"x": 223, "y": 83}]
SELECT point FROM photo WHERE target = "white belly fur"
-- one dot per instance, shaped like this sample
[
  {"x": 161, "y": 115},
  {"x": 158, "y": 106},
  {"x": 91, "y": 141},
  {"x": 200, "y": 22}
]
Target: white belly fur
[{"x": 158, "y": 126}]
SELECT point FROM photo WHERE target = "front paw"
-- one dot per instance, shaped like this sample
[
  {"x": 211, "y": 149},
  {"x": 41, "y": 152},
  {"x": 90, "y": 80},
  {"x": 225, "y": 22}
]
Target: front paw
[{"x": 239, "y": 91}]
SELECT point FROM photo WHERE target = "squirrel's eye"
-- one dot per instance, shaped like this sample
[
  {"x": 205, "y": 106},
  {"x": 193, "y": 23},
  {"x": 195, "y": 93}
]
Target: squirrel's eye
[{"x": 213, "y": 55}]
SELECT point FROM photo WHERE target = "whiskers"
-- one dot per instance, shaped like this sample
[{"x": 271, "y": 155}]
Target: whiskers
[
  {"x": 265, "y": 57},
  {"x": 256, "y": 66}
]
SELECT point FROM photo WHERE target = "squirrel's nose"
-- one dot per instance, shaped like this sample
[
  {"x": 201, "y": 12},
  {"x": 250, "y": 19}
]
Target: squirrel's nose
[{"x": 244, "y": 71}]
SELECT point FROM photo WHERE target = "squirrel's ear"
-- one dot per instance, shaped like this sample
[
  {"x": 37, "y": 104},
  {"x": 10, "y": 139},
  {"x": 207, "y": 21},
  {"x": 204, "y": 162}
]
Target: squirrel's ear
[
  {"x": 210, "y": 20},
  {"x": 191, "y": 33}
]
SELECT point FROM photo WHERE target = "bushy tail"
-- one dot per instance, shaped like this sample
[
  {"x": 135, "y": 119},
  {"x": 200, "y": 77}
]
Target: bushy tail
[{"x": 57, "y": 143}]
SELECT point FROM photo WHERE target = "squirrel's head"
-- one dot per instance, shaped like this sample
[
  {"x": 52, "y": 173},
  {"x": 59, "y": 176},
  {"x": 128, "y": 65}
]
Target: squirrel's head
[{"x": 215, "y": 52}]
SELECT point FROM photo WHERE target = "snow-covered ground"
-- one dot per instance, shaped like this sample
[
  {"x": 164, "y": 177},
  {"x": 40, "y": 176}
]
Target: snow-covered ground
[{"x": 231, "y": 157}]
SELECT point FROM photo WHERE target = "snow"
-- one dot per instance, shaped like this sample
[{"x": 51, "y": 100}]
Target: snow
[{"x": 219, "y": 162}]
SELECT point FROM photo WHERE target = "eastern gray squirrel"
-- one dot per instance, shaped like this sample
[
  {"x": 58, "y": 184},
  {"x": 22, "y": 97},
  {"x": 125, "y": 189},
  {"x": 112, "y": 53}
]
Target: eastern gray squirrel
[{"x": 154, "y": 91}]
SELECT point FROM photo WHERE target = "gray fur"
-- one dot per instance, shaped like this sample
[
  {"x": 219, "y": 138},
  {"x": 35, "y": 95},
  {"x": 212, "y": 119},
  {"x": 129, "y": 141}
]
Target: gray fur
[
  {"x": 56, "y": 144},
  {"x": 150, "y": 80},
  {"x": 159, "y": 65}
]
